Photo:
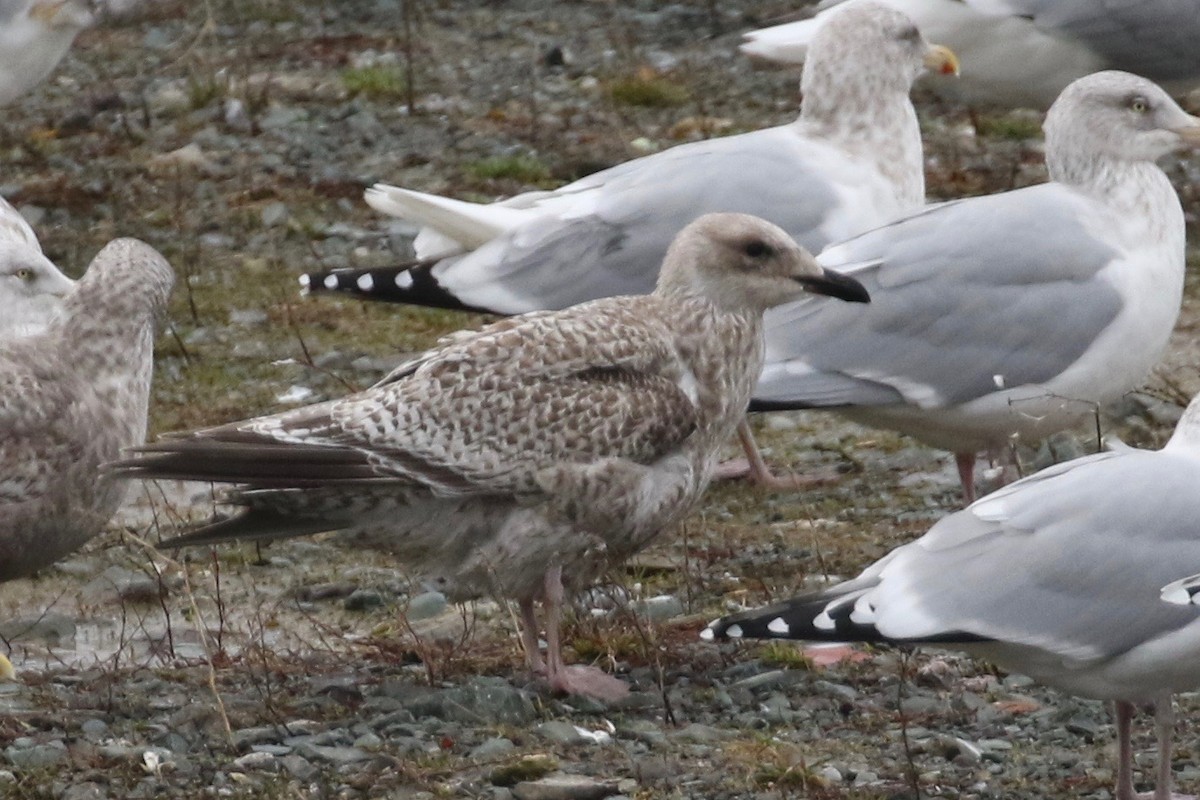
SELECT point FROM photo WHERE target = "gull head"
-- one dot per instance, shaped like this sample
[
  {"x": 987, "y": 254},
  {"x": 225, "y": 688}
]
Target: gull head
[
  {"x": 872, "y": 46},
  {"x": 31, "y": 288},
  {"x": 128, "y": 280},
  {"x": 1115, "y": 116},
  {"x": 742, "y": 263}
]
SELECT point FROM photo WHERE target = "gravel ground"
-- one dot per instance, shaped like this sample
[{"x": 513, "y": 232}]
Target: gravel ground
[{"x": 237, "y": 138}]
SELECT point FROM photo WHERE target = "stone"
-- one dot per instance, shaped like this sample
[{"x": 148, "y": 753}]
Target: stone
[
  {"x": 491, "y": 748},
  {"x": 299, "y": 767},
  {"x": 560, "y": 732},
  {"x": 564, "y": 787},
  {"x": 36, "y": 756},
  {"x": 425, "y": 606}
]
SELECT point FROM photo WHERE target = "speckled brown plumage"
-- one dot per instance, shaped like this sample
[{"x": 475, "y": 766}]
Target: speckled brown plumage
[
  {"x": 552, "y": 441},
  {"x": 71, "y": 398}
]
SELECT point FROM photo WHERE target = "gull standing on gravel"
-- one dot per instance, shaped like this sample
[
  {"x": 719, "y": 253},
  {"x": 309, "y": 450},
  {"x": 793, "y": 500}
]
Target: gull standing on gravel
[
  {"x": 1010, "y": 315},
  {"x": 1025, "y": 52},
  {"x": 31, "y": 287},
  {"x": 852, "y": 160},
  {"x": 72, "y": 397},
  {"x": 34, "y": 37},
  {"x": 532, "y": 454},
  {"x": 1077, "y": 576}
]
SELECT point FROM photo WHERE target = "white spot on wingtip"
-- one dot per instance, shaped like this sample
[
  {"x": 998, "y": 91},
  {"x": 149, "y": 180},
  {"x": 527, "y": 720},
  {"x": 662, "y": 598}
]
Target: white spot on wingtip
[
  {"x": 779, "y": 626},
  {"x": 824, "y": 622},
  {"x": 331, "y": 282},
  {"x": 305, "y": 280},
  {"x": 365, "y": 282},
  {"x": 404, "y": 280},
  {"x": 707, "y": 634},
  {"x": 998, "y": 380},
  {"x": 734, "y": 631},
  {"x": 1176, "y": 595}
]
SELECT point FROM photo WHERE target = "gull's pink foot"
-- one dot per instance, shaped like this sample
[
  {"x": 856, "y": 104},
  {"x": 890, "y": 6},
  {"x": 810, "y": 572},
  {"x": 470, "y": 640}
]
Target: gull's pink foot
[{"x": 589, "y": 682}]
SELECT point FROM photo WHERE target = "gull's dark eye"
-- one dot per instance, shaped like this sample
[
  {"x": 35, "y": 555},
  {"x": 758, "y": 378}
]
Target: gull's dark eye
[
  {"x": 910, "y": 34},
  {"x": 757, "y": 248},
  {"x": 1139, "y": 104},
  {"x": 24, "y": 273}
]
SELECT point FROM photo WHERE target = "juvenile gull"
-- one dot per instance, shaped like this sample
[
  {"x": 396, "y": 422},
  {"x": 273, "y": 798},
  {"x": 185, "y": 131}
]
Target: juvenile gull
[
  {"x": 1071, "y": 576},
  {"x": 533, "y": 454},
  {"x": 852, "y": 160},
  {"x": 1025, "y": 52},
  {"x": 1012, "y": 314},
  {"x": 31, "y": 287},
  {"x": 34, "y": 36},
  {"x": 73, "y": 396}
]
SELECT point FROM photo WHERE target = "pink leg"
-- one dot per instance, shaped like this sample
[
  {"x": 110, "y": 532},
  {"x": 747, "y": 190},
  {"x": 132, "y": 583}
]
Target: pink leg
[
  {"x": 966, "y": 475},
  {"x": 1124, "y": 751},
  {"x": 1164, "y": 731},
  {"x": 529, "y": 637},
  {"x": 576, "y": 679},
  {"x": 754, "y": 468}
]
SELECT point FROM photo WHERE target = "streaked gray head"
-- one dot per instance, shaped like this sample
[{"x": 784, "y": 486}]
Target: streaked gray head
[
  {"x": 128, "y": 279},
  {"x": 742, "y": 263},
  {"x": 1114, "y": 116},
  {"x": 866, "y": 48}
]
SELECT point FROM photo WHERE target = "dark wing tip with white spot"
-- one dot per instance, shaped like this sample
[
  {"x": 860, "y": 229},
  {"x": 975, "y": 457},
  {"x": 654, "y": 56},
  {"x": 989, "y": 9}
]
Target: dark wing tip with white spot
[{"x": 412, "y": 284}]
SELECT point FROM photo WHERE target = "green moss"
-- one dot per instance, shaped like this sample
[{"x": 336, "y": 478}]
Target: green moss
[
  {"x": 525, "y": 169},
  {"x": 785, "y": 655},
  {"x": 1009, "y": 126},
  {"x": 378, "y": 82},
  {"x": 647, "y": 92},
  {"x": 528, "y": 768}
]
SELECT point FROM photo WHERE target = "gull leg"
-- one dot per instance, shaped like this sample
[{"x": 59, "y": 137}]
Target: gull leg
[
  {"x": 966, "y": 475},
  {"x": 576, "y": 679},
  {"x": 1124, "y": 751},
  {"x": 754, "y": 468},
  {"x": 1164, "y": 730},
  {"x": 529, "y": 637}
]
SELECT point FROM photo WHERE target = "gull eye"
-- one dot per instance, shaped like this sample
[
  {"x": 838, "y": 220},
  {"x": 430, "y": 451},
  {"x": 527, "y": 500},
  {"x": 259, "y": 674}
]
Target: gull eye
[
  {"x": 910, "y": 34},
  {"x": 1139, "y": 105},
  {"x": 757, "y": 248},
  {"x": 25, "y": 274}
]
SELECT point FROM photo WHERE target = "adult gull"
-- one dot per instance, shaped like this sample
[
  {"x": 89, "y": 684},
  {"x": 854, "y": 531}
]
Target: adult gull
[
  {"x": 1025, "y": 52},
  {"x": 852, "y": 160},
  {"x": 1010, "y": 315},
  {"x": 73, "y": 397},
  {"x": 526, "y": 458},
  {"x": 34, "y": 36},
  {"x": 1077, "y": 576},
  {"x": 31, "y": 287}
]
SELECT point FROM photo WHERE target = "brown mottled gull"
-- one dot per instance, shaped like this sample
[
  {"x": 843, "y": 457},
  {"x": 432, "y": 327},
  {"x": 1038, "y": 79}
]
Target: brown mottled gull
[
  {"x": 1010, "y": 315},
  {"x": 71, "y": 398},
  {"x": 531, "y": 454},
  {"x": 31, "y": 287},
  {"x": 1077, "y": 576},
  {"x": 852, "y": 160}
]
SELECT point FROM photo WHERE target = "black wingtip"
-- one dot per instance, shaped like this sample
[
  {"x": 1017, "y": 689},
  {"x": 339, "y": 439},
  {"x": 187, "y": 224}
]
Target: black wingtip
[{"x": 410, "y": 284}]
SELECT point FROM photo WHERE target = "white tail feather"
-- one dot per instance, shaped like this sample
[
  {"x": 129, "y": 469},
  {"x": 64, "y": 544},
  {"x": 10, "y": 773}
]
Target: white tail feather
[{"x": 470, "y": 225}]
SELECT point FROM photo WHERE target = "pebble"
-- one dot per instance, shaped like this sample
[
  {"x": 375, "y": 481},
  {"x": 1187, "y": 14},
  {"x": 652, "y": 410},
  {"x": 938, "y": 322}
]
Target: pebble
[
  {"x": 491, "y": 748},
  {"x": 425, "y": 606},
  {"x": 564, "y": 787}
]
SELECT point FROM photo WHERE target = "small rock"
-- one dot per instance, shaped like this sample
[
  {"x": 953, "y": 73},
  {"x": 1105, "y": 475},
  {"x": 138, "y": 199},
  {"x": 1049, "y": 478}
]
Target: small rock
[
  {"x": 490, "y": 748},
  {"x": 564, "y": 787},
  {"x": 362, "y": 600},
  {"x": 37, "y": 756},
  {"x": 662, "y": 607},
  {"x": 701, "y": 734},
  {"x": 333, "y": 754},
  {"x": 426, "y": 605},
  {"x": 298, "y": 767},
  {"x": 256, "y": 760},
  {"x": 559, "y": 731},
  {"x": 81, "y": 791},
  {"x": 274, "y": 214}
]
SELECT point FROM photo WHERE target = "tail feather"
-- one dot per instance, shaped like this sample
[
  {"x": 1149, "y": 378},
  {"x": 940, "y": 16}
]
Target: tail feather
[
  {"x": 257, "y": 464},
  {"x": 836, "y": 615},
  {"x": 471, "y": 225},
  {"x": 412, "y": 284},
  {"x": 254, "y": 525}
]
